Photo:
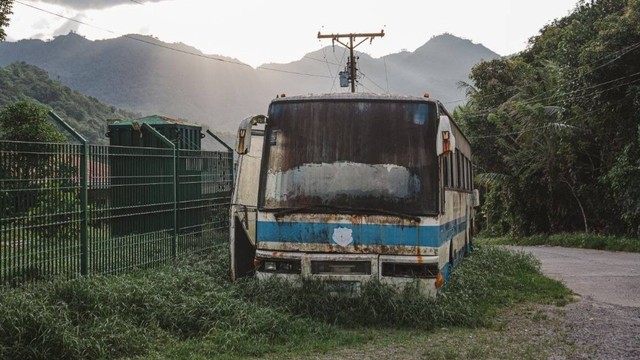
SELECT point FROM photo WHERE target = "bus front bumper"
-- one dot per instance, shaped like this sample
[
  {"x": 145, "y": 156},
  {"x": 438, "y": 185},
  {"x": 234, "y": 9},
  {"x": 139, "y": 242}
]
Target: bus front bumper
[{"x": 346, "y": 273}]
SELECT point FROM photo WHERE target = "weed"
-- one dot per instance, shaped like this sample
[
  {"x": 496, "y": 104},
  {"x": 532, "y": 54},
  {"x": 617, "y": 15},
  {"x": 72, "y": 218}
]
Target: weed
[
  {"x": 191, "y": 309},
  {"x": 572, "y": 240}
]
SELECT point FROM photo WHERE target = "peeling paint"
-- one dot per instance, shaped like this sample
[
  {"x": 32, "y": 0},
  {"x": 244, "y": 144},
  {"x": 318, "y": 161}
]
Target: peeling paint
[{"x": 329, "y": 181}]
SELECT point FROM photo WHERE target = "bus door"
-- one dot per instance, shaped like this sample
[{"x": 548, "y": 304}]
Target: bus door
[{"x": 244, "y": 208}]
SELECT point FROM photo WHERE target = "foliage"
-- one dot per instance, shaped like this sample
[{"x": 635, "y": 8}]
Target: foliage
[
  {"x": 55, "y": 215},
  {"x": 486, "y": 281},
  {"x": 559, "y": 123},
  {"x": 5, "y": 11},
  {"x": 192, "y": 310},
  {"x": 135, "y": 314},
  {"x": 28, "y": 161},
  {"x": 27, "y": 121},
  {"x": 572, "y": 240},
  {"x": 20, "y": 82}
]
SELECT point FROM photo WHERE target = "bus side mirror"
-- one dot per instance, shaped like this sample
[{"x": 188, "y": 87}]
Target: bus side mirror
[
  {"x": 445, "y": 142},
  {"x": 243, "y": 141},
  {"x": 476, "y": 198}
]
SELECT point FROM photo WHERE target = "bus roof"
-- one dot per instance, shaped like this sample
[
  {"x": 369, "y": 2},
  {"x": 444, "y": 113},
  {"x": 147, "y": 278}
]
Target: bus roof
[
  {"x": 365, "y": 96},
  {"x": 353, "y": 96}
]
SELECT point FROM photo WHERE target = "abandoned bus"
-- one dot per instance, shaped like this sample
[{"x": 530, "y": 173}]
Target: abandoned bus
[{"x": 352, "y": 187}]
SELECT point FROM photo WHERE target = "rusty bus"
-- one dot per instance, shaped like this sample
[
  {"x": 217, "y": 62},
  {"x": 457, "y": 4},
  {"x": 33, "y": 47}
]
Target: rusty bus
[{"x": 348, "y": 188}]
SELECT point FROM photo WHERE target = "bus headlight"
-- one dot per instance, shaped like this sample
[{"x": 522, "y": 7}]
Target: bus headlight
[{"x": 280, "y": 266}]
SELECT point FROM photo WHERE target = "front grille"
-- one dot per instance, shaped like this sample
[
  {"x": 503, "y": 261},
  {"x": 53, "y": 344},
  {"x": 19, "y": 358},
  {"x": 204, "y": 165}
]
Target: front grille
[
  {"x": 410, "y": 270},
  {"x": 341, "y": 267}
]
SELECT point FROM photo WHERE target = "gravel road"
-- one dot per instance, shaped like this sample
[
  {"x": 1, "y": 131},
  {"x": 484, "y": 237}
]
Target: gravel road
[{"x": 606, "y": 319}]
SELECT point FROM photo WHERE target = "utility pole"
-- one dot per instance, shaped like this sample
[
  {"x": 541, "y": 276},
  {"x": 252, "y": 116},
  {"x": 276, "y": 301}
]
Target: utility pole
[{"x": 352, "y": 60}]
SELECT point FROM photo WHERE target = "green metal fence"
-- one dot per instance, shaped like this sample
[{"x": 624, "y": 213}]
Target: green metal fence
[{"x": 68, "y": 210}]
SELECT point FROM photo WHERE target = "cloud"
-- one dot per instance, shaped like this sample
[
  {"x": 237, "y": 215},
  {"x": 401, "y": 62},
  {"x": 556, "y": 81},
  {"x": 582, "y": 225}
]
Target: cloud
[
  {"x": 68, "y": 26},
  {"x": 41, "y": 24},
  {"x": 95, "y": 4}
]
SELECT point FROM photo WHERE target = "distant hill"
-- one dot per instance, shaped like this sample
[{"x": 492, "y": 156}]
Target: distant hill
[
  {"x": 21, "y": 81},
  {"x": 154, "y": 80}
]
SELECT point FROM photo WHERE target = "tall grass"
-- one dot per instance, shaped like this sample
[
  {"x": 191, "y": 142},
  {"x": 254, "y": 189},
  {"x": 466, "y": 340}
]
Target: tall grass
[
  {"x": 490, "y": 279},
  {"x": 571, "y": 240},
  {"x": 192, "y": 309}
]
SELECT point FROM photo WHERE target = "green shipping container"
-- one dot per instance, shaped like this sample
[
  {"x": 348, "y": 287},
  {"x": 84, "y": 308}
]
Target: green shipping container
[
  {"x": 147, "y": 178},
  {"x": 130, "y": 133}
]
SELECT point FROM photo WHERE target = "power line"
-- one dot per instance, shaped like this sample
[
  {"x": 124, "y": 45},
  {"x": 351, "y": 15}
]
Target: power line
[
  {"x": 351, "y": 46},
  {"x": 165, "y": 46},
  {"x": 616, "y": 54},
  {"x": 364, "y": 86},
  {"x": 549, "y": 125},
  {"x": 532, "y": 100},
  {"x": 329, "y": 69},
  {"x": 373, "y": 82},
  {"x": 320, "y": 60}
]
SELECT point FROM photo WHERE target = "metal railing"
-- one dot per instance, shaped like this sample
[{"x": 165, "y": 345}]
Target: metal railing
[{"x": 68, "y": 210}]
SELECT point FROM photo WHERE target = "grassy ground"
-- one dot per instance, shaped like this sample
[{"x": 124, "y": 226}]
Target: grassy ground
[
  {"x": 191, "y": 311},
  {"x": 526, "y": 331},
  {"x": 575, "y": 240}
]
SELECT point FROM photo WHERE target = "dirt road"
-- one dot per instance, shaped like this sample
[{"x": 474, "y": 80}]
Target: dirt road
[{"x": 606, "y": 320}]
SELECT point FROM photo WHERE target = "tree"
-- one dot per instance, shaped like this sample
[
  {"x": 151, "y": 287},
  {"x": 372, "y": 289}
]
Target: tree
[
  {"x": 554, "y": 129},
  {"x": 5, "y": 11},
  {"x": 27, "y": 121},
  {"x": 28, "y": 159}
]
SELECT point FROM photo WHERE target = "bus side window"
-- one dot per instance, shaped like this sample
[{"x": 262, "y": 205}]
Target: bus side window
[
  {"x": 458, "y": 169},
  {"x": 447, "y": 164},
  {"x": 461, "y": 171},
  {"x": 466, "y": 173},
  {"x": 471, "y": 173},
  {"x": 450, "y": 156},
  {"x": 445, "y": 172},
  {"x": 469, "y": 180}
]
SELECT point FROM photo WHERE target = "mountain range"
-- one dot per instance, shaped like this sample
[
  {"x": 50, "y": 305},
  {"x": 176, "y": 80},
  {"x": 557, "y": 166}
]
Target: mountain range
[{"x": 145, "y": 75}]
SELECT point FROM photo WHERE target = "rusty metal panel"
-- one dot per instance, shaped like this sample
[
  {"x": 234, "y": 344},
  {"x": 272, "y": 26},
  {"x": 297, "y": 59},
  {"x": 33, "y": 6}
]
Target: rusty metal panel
[{"x": 357, "y": 154}]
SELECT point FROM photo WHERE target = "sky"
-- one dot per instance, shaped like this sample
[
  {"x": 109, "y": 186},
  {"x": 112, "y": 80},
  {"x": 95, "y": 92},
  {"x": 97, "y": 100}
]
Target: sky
[{"x": 281, "y": 31}]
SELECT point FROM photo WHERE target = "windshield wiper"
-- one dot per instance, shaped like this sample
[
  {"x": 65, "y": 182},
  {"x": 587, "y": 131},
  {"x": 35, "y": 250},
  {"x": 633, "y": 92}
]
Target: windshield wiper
[{"x": 345, "y": 209}]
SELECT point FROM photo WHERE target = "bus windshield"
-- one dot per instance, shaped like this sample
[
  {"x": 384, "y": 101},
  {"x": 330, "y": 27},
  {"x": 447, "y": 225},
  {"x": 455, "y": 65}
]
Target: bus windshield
[{"x": 351, "y": 154}]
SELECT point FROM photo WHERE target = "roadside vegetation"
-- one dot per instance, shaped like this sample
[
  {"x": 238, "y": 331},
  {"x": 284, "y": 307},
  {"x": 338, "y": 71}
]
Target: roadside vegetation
[
  {"x": 575, "y": 240},
  {"x": 555, "y": 129},
  {"x": 191, "y": 310}
]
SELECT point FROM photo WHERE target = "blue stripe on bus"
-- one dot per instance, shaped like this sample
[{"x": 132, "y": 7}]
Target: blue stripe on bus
[{"x": 363, "y": 234}]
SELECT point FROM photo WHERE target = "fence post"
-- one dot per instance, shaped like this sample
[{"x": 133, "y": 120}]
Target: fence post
[
  {"x": 84, "y": 192},
  {"x": 162, "y": 138}
]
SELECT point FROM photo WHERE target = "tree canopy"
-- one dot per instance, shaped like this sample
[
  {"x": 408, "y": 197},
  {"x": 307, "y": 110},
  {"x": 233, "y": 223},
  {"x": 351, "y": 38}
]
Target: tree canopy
[
  {"x": 27, "y": 121},
  {"x": 5, "y": 11},
  {"x": 556, "y": 128}
]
